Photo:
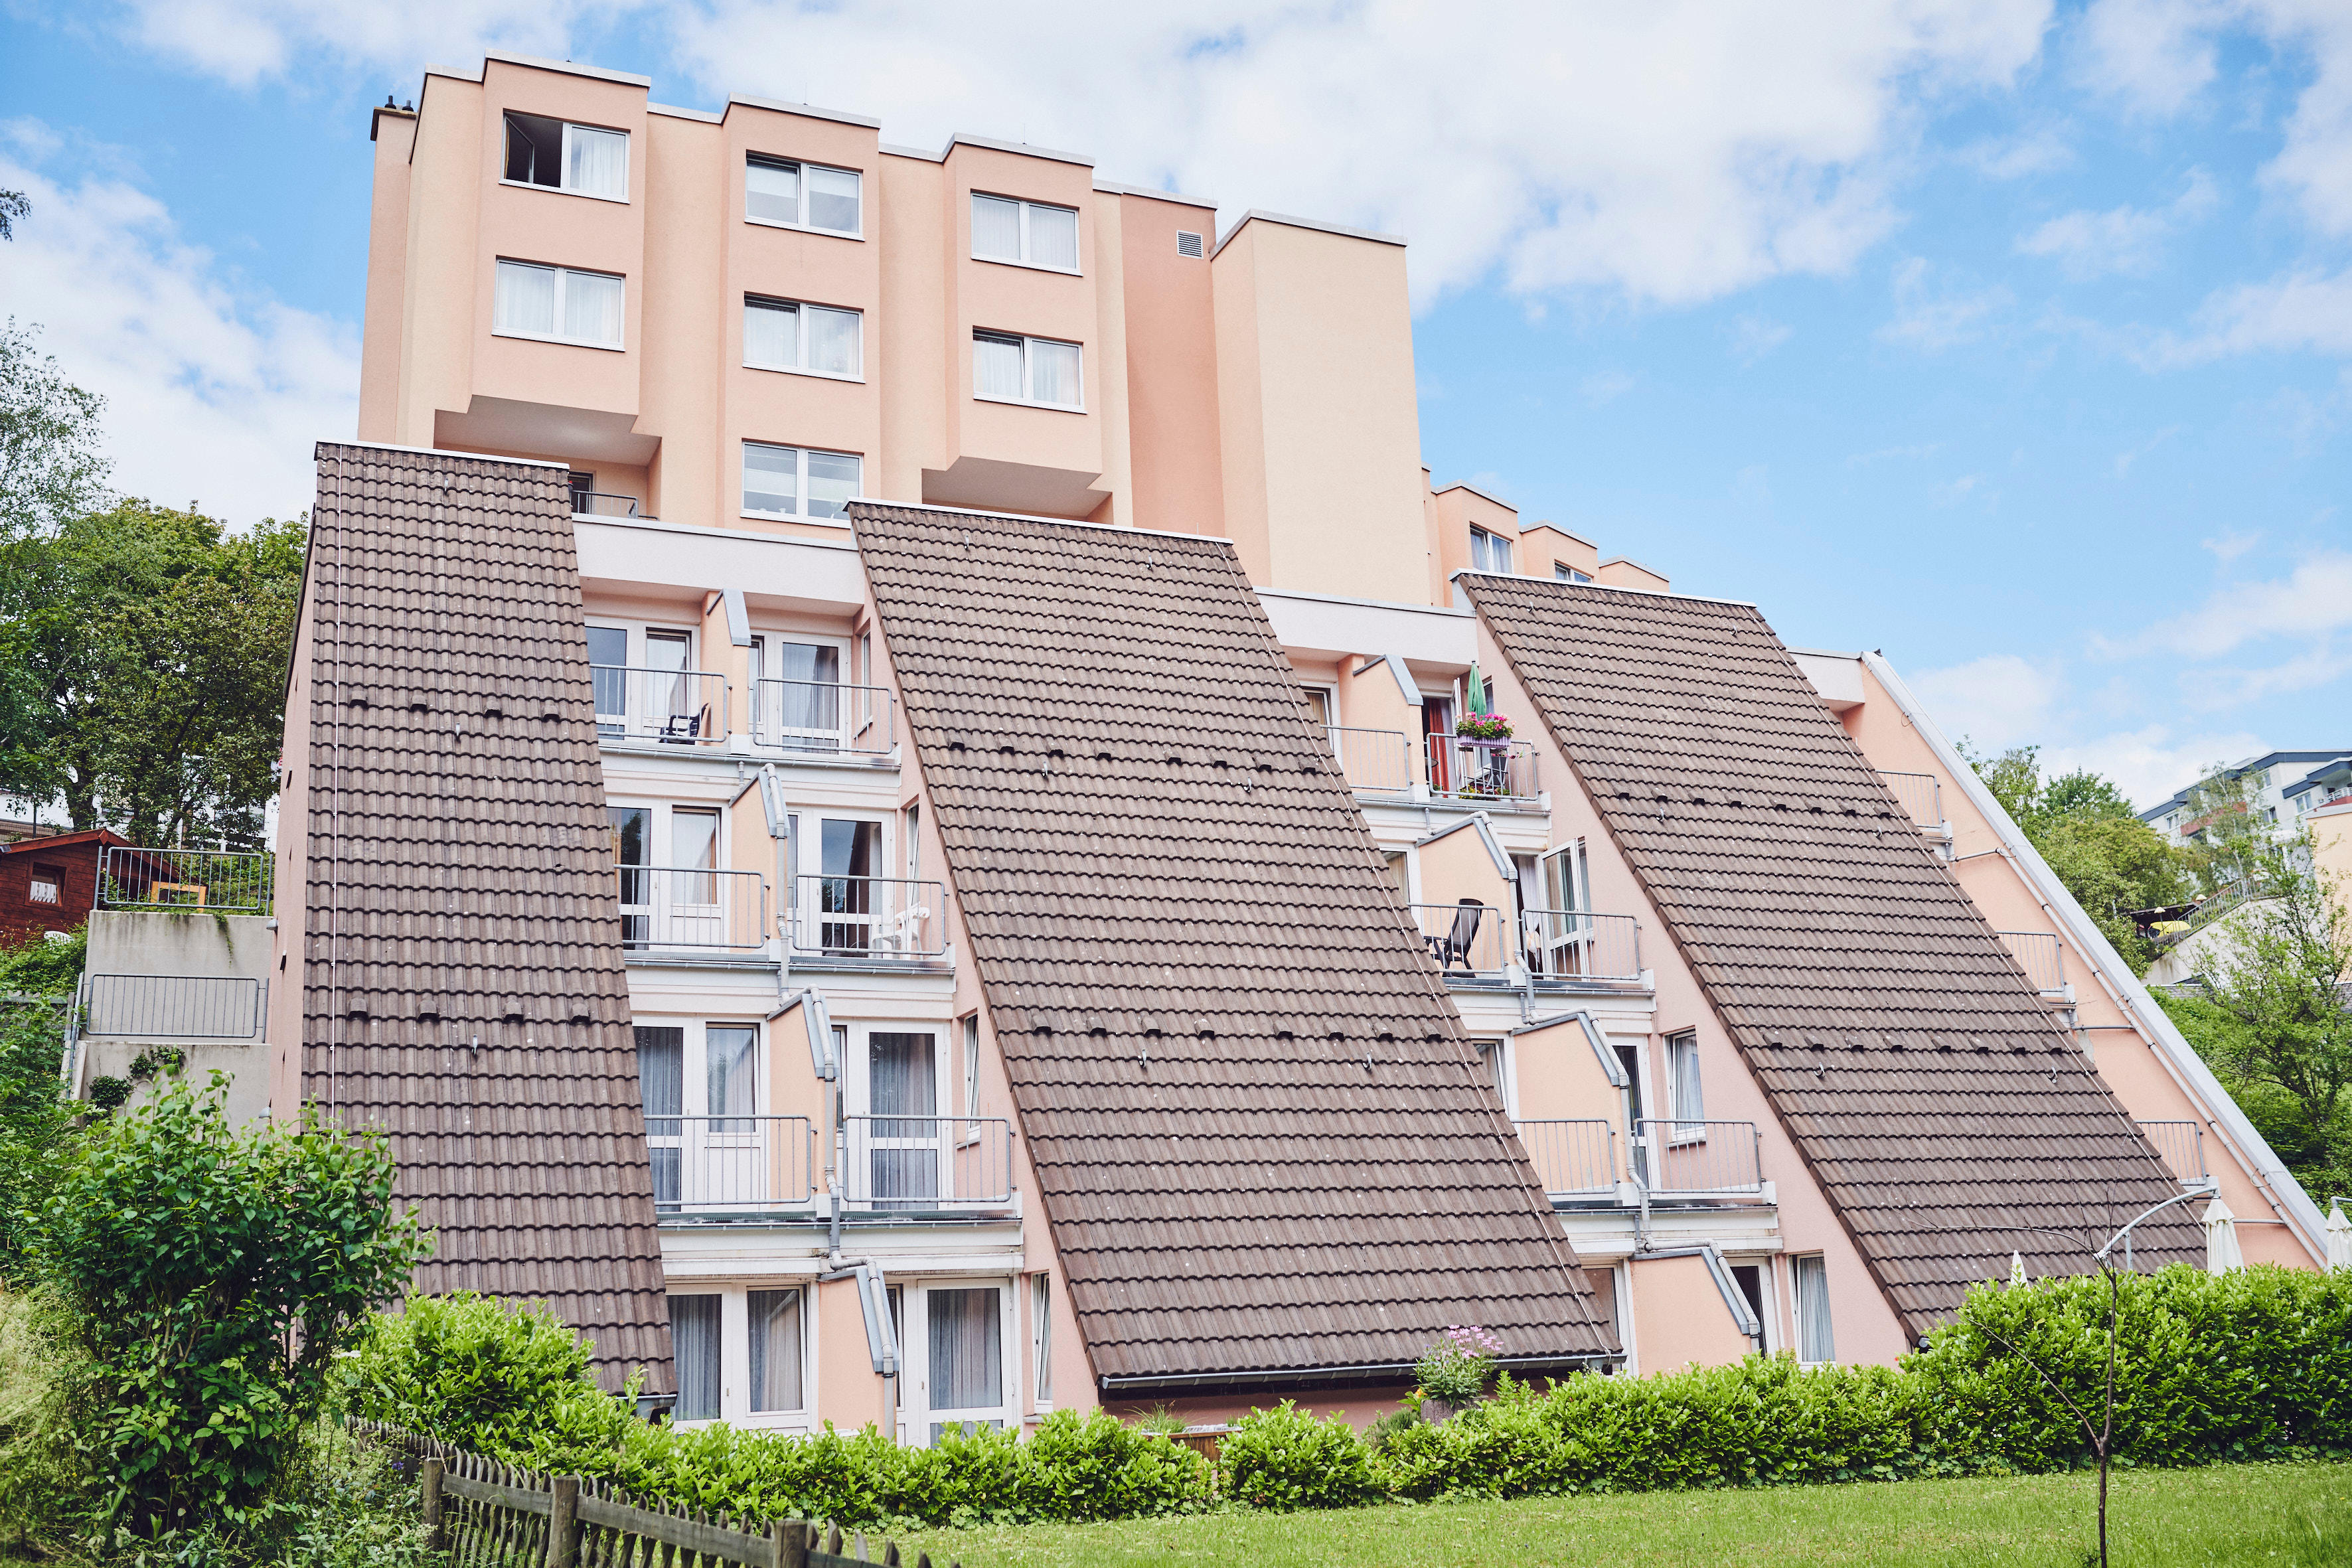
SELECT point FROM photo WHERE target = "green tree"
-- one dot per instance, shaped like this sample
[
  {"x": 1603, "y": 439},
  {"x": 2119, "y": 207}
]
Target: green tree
[
  {"x": 38, "y": 979},
  {"x": 149, "y": 665},
  {"x": 2233, "y": 841},
  {"x": 50, "y": 465},
  {"x": 210, "y": 1276},
  {"x": 13, "y": 206}
]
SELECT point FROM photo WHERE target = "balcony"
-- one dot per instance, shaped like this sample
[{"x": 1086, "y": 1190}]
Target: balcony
[
  {"x": 1574, "y": 1160},
  {"x": 815, "y": 719},
  {"x": 1921, "y": 796},
  {"x": 599, "y": 503},
  {"x": 671, "y": 707},
  {"x": 2044, "y": 961},
  {"x": 866, "y": 920},
  {"x": 1467, "y": 938},
  {"x": 915, "y": 1165},
  {"x": 217, "y": 881},
  {"x": 1681, "y": 1160},
  {"x": 1577, "y": 944},
  {"x": 2182, "y": 1145},
  {"x": 721, "y": 1166},
  {"x": 1479, "y": 772},
  {"x": 1376, "y": 762},
  {"x": 688, "y": 907}
]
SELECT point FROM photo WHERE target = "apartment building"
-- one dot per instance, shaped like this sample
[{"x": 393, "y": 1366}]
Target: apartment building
[
  {"x": 875, "y": 803},
  {"x": 2283, "y": 789}
]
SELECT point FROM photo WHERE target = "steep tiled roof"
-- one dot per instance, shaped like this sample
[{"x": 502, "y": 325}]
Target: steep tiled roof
[
  {"x": 1906, "y": 1054},
  {"x": 1261, "y": 1141},
  {"x": 463, "y": 984}
]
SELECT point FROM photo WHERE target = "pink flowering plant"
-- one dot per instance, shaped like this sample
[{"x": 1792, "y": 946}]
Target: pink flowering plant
[
  {"x": 1457, "y": 1368},
  {"x": 1484, "y": 727}
]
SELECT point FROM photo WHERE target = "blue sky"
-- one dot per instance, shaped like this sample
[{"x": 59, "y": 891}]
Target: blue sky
[{"x": 2013, "y": 340}]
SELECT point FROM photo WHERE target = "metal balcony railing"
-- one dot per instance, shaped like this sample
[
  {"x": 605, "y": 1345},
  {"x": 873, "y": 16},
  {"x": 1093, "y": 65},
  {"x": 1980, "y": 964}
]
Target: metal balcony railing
[
  {"x": 902, "y": 1162},
  {"x": 599, "y": 503},
  {"x": 866, "y": 917},
  {"x": 217, "y": 880},
  {"x": 685, "y": 905},
  {"x": 1378, "y": 762},
  {"x": 730, "y": 1164},
  {"x": 1479, "y": 770},
  {"x": 820, "y": 716},
  {"x": 176, "y": 1006},
  {"x": 677, "y": 706},
  {"x": 1577, "y": 944},
  {"x": 1698, "y": 1159},
  {"x": 1466, "y": 937},
  {"x": 2039, "y": 954},
  {"x": 1921, "y": 796},
  {"x": 2182, "y": 1144},
  {"x": 1573, "y": 1159}
]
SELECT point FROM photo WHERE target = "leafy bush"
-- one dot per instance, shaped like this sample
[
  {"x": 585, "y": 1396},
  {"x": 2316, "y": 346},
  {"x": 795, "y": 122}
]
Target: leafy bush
[
  {"x": 493, "y": 1376},
  {"x": 1284, "y": 1460}
]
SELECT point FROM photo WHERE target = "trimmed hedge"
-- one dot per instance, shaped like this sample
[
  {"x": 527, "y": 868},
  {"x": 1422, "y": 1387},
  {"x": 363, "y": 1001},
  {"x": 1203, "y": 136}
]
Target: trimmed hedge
[{"x": 2253, "y": 1365}]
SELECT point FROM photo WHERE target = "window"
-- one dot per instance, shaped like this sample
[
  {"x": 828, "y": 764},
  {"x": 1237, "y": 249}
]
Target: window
[
  {"x": 1027, "y": 233},
  {"x": 1320, "y": 709},
  {"x": 1489, "y": 551},
  {"x": 911, "y": 831},
  {"x": 802, "y": 195},
  {"x": 1749, "y": 1278},
  {"x": 903, "y": 1137},
  {"x": 971, "y": 1066},
  {"x": 583, "y": 485},
  {"x": 661, "y": 1079},
  {"x": 1683, "y": 1085},
  {"x": 47, "y": 886},
  {"x": 774, "y": 1319},
  {"x": 1567, "y": 574},
  {"x": 1041, "y": 1337},
  {"x": 558, "y": 304},
  {"x": 694, "y": 1337},
  {"x": 1490, "y": 1062},
  {"x": 1188, "y": 245},
  {"x": 792, "y": 481},
  {"x": 782, "y": 334},
  {"x": 1811, "y": 1278},
  {"x": 579, "y": 159},
  {"x": 967, "y": 1352},
  {"x": 1007, "y": 369}
]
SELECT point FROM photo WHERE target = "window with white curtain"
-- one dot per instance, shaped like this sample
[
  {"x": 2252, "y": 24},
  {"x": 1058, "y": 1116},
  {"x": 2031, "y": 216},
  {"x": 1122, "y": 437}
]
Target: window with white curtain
[
  {"x": 793, "y": 481},
  {"x": 560, "y": 304},
  {"x": 1009, "y": 369},
  {"x": 774, "y": 1319},
  {"x": 581, "y": 160},
  {"x": 661, "y": 1079},
  {"x": 1041, "y": 1337},
  {"x": 1683, "y": 1087},
  {"x": 788, "y": 334},
  {"x": 803, "y": 196},
  {"x": 1811, "y": 1278},
  {"x": 1567, "y": 574},
  {"x": 1489, "y": 551},
  {"x": 1030, "y": 233},
  {"x": 694, "y": 1339},
  {"x": 966, "y": 1354}
]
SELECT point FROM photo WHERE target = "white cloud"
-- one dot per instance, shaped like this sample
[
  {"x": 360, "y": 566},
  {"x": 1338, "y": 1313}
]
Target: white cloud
[
  {"x": 2231, "y": 546},
  {"x": 1668, "y": 152},
  {"x": 2314, "y": 600},
  {"x": 2149, "y": 764},
  {"x": 1929, "y": 316},
  {"x": 2015, "y": 157},
  {"x": 2123, "y": 239},
  {"x": 1753, "y": 337},
  {"x": 1604, "y": 387},
  {"x": 2124, "y": 459},
  {"x": 210, "y": 397},
  {"x": 2156, "y": 55},
  {"x": 2307, "y": 311},
  {"x": 1994, "y": 702}
]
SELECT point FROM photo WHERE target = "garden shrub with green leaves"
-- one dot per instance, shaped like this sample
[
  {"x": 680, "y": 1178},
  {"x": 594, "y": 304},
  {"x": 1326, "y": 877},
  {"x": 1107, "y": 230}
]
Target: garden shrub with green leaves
[{"x": 1285, "y": 1458}]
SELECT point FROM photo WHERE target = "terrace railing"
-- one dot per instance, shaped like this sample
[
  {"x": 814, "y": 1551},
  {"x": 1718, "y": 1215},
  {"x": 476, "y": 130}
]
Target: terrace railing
[
  {"x": 866, "y": 917},
  {"x": 1457, "y": 769},
  {"x": 176, "y": 1006},
  {"x": 1681, "y": 1159},
  {"x": 730, "y": 1164},
  {"x": 1466, "y": 938},
  {"x": 2039, "y": 954},
  {"x": 1378, "y": 762},
  {"x": 685, "y": 905},
  {"x": 820, "y": 717},
  {"x": 675, "y": 706},
  {"x": 1577, "y": 944},
  {"x": 926, "y": 1163},
  {"x": 602, "y": 503},
  {"x": 1921, "y": 796},
  {"x": 217, "y": 880},
  {"x": 2182, "y": 1144},
  {"x": 1573, "y": 1159}
]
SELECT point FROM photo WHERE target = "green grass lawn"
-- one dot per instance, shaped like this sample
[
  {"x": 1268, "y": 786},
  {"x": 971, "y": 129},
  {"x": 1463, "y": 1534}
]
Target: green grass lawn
[{"x": 2281, "y": 1516}]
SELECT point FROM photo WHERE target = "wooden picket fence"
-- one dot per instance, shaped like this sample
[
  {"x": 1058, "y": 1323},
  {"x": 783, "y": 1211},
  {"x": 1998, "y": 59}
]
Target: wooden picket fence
[{"x": 485, "y": 1514}]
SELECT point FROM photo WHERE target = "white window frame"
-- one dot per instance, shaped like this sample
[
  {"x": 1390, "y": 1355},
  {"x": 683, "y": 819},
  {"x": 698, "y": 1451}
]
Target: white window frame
[
  {"x": 967, "y": 1037},
  {"x": 1041, "y": 1343},
  {"x": 735, "y": 1354},
  {"x": 800, "y": 310},
  {"x": 563, "y": 157},
  {"x": 801, "y": 483},
  {"x": 915, "y": 1413},
  {"x": 1682, "y": 1058},
  {"x": 804, "y": 166},
  {"x": 1078, "y": 234},
  {"x": 660, "y": 828},
  {"x": 1480, "y": 558},
  {"x": 804, "y": 846},
  {"x": 1562, "y": 572},
  {"x": 1767, "y": 1285},
  {"x": 562, "y": 275},
  {"x": 1820, "y": 1272},
  {"x": 1027, "y": 375},
  {"x": 1501, "y": 1070}
]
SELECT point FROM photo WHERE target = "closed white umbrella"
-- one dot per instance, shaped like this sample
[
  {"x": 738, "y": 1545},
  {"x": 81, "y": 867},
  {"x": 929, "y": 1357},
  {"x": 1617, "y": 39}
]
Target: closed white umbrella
[
  {"x": 2339, "y": 1236},
  {"x": 2221, "y": 1252}
]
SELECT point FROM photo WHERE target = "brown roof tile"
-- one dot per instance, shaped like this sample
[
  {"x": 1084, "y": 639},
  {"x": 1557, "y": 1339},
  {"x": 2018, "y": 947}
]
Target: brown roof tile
[
  {"x": 1909, "y": 1058},
  {"x": 1261, "y": 1141},
  {"x": 460, "y": 888}
]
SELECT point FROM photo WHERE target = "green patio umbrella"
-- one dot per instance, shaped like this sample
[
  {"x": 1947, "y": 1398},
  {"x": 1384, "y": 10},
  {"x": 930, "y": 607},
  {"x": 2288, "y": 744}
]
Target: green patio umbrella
[{"x": 1478, "y": 692}]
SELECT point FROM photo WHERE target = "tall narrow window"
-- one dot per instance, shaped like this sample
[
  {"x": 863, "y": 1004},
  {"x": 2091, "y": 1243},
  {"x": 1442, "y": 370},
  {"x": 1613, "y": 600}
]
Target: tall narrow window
[
  {"x": 902, "y": 1084},
  {"x": 1029, "y": 233},
  {"x": 910, "y": 828},
  {"x": 583, "y": 160},
  {"x": 1008, "y": 369},
  {"x": 557, "y": 303},
  {"x": 694, "y": 1338},
  {"x": 803, "y": 196},
  {"x": 1682, "y": 1085},
  {"x": 782, "y": 334},
  {"x": 1811, "y": 1278},
  {"x": 732, "y": 1053},
  {"x": 792, "y": 481},
  {"x": 972, "y": 1065},
  {"x": 967, "y": 1350},
  {"x": 1041, "y": 1337},
  {"x": 775, "y": 1324},
  {"x": 661, "y": 1079}
]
